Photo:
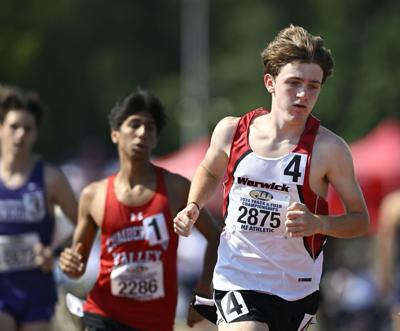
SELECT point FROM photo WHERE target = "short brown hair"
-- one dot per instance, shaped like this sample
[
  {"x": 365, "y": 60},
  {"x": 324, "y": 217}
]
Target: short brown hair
[
  {"x": 296, "y": 44},
  {"x": 14, "y": 98}
]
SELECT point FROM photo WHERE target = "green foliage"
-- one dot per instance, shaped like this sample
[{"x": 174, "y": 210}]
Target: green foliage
[{"x": 81, "y": 56}]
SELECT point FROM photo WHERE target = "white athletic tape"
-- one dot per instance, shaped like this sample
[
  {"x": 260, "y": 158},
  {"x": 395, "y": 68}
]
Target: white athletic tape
[{"x": 74, "y": 305}]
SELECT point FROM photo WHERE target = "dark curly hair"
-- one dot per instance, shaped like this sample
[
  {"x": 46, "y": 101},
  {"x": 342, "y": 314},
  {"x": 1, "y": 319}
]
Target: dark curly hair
[{"x": 137, "y": 101}]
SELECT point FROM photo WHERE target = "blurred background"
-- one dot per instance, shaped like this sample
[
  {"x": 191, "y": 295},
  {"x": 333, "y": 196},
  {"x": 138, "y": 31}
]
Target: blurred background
[{"x": 203, "y": 59}]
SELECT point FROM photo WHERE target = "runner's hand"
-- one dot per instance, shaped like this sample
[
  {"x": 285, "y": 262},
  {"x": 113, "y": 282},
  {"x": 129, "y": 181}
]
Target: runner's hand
[
  {"x": 71, "y": 261},
  {"x": 44, "y": 257},
  {"x": 185, "y": 219},
  {"x": 300, "y": 222}
]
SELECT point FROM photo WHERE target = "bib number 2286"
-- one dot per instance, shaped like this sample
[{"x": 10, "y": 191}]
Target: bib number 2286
[{"x": 137, "y": 288}]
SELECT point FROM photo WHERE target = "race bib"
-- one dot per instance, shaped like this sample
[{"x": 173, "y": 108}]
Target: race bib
[
  {"x": 17, "y": 252},
  {"x": 140, "y": 281},
  {"x": 263, "y": 211}
]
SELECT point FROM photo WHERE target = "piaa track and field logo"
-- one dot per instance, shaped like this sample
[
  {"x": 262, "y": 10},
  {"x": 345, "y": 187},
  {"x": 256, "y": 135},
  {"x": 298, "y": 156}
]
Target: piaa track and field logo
[{"x": 261, "y": 195}]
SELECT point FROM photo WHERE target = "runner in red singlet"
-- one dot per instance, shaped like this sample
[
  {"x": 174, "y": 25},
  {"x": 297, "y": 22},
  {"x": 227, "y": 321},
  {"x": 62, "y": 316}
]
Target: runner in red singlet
[{"x": 136, "y": 287}]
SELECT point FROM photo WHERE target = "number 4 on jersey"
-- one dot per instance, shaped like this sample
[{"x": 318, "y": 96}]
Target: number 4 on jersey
[
  {"x": 294, "y": 169},
  {"x": 233, "y": 306}
]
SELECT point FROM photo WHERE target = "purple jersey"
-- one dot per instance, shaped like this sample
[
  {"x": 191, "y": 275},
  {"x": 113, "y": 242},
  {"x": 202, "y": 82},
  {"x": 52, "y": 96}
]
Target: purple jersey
[{"x": 24, "y": 222}]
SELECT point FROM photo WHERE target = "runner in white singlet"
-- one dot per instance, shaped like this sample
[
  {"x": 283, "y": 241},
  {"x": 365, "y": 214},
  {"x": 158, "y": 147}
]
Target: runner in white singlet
[{"x": 278, "y": 164}]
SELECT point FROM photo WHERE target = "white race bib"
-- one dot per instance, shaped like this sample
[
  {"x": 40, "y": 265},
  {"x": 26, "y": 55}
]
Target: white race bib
[
  {"x": 17, "y": 252},
  {"x": 141, "y": 281},
  {"x": 263, "y": 211}
]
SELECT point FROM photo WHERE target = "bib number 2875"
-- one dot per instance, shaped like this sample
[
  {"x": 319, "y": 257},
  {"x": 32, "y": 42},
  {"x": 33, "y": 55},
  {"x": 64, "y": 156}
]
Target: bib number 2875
[{"x": 253, "y": 216}]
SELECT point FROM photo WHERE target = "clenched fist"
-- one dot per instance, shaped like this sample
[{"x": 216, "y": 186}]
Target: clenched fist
[{"x": 185, "y": 219}]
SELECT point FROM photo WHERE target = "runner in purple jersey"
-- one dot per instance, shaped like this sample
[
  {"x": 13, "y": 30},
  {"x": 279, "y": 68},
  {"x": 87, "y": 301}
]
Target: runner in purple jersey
[{"x": 29, "y": 190}]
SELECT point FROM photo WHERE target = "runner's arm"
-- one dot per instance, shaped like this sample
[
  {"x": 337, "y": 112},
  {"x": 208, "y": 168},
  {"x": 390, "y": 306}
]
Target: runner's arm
[
  {"x": 73, "y": 260},
  {"x": 340, "y": 174},
  {"x": 61, "y": 193},
  {"x": 389, "y": 222},
  {"x": 208, "y": 176},
  {"x": 211, "y": 170}
]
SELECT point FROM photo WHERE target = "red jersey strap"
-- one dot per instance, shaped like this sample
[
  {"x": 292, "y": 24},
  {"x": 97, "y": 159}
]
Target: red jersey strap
[
  {"x": 306, "y": 142},
  {"x": 240, "y": 147},
  {"x": 307, "y": 138},
  {"x": 241, "y": 138},
  {"x": 305, "y": 146},
  {"x": 313, "y": 244},
  {"x": 161, "y": 188},
  {"x": 159, "y": 177}
]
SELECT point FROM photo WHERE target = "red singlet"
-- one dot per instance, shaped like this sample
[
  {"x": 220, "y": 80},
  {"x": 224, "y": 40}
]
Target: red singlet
[{"x": 137, "y": 282}]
